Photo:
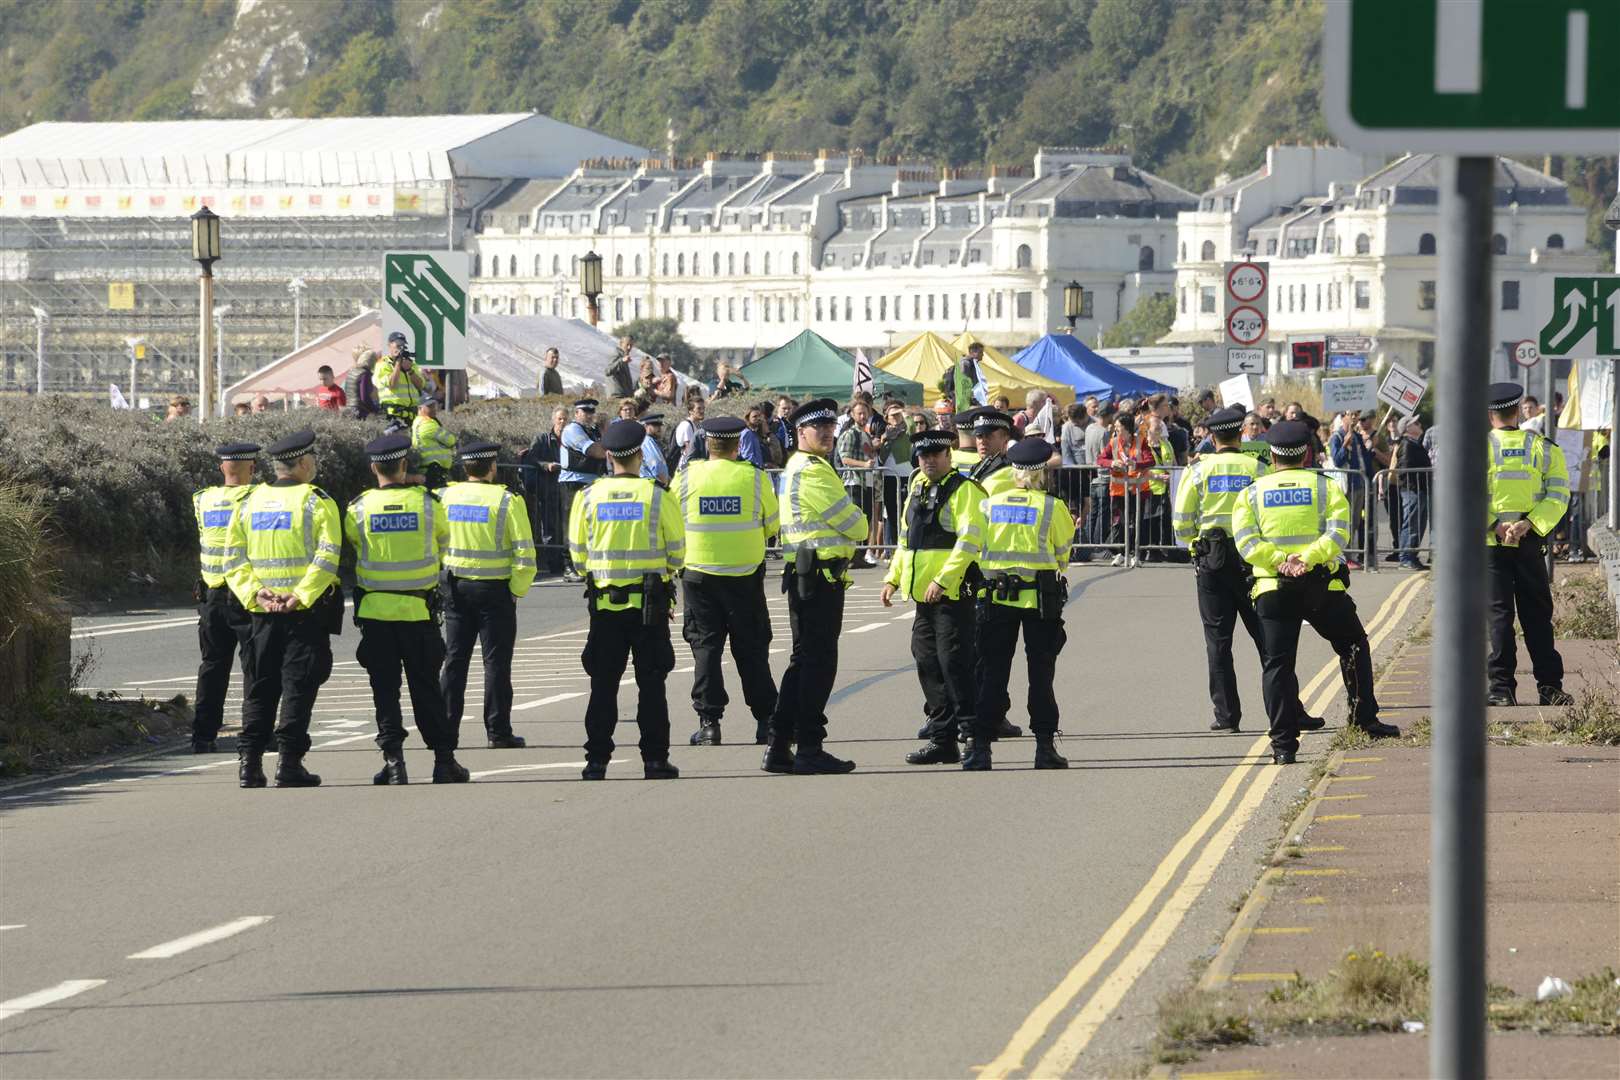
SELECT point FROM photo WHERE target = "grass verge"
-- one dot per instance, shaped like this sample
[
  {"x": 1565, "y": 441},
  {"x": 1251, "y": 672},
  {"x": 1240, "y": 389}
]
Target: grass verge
[
  {"x": 50, "y": 729},
  {"x": 1582, "y": 607}
]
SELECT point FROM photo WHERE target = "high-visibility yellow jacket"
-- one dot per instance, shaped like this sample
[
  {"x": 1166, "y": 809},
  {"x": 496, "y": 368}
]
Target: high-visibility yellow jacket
[
  {"x": 1159, "y": 479},
  {"x": 1291, "y": 512},
  {"x": 730, "y": 509},
  {"x": 1025, "y": 532},
  {"x": 964, "y": 460},
  {"x": 490, "y": 535},
  {"x": 941, "y": 535},
  {"x": 286, "y": 537},
  {"x": 1258, "y": 449},
  {"x": 400, "y": 533},
  {"x": 1527, "y": 479},
  {"x": 817, "y": 517},
  {"x": 432, "y": 443},
  {"x": 1001, "y": 478},
  {"x": 215, "y": 507},
  {"x": 624, "y": 527},
  {"x": 395, "y": 387},
  {"x": 1209, "y": 489}
]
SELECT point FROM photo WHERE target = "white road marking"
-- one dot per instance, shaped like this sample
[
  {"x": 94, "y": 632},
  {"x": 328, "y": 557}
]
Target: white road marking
[
  {"x": 553, "y": 699},
  {"x": 868, "y": 628},
  {"x": 340, "y": 742},
  {"x": 912, "y": 614},
  {"x": 200, "y": 938},
  {"x": 135, "y": 629},
  {"x": 40, "y": 998},
  {"x": 564, "y": 633},
  {"x": 529, "y": 768},
  {"x": 13, "y": 926}
]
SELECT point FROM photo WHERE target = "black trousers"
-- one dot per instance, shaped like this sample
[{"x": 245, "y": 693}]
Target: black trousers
[
  {"x": 718, "y": 608},
  {"x": 815, "y": 622},
  {"x": 484, "y": 612},
  {"x": 942, "y": 646},
  {"x": 386, "y": 649},
  {"x": 615, "y": 638},
  {"x": 224, "y": 629},
  {"x": 1518, "y": 577},
  {"x": 1223, "y": 599},
  {"x": 291, "y": 658},
  {"x": 1331, "y": 614},
  {"x": 997, "y": 640}
]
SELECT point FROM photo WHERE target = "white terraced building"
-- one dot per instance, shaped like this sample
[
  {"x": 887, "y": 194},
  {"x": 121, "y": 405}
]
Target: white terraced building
[
  {"x": 745, "y": 254},
  {"x": 1351, "y": 244}
]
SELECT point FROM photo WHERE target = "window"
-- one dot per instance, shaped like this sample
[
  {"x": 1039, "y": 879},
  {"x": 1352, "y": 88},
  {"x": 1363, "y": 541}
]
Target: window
[
  {"x": 795, "y": 261},
  {"x": 717, "y": 309},
  {"x": 954, "y": 255},
  {"x": 883, "y": 308},
  {"x": 1024, "y": 304},
  {"x": 1425, "y": 296},
  {"x": 765, "y": 267},
  {"x": 666, "y": 307},
  {"x": 975, "y": 255},
  {"x": 477, "y": 268},
  {"x": 781, "y": 309},
  {"x": 573, "y": 268},
  {"x": 998, "y": 305},
  {"x": 1363, "y": 244},
  {"x": 1024, "y": 257},
  {"x": 1510, "y": 296},
  {"x": 731, "y": 263},
  {"x": 849, "y": 309},
  {"x": 866, "y": 305},
  {"x": 795, "y": 307},
  {"x": 1319, "y": 297},
  {"x": 928, "y": 257},
  {"x": 638, "y": 266},
  {"x": 1184, "y": 251},
  {"x": 747, "y": 260},
  {"x": 832, "y": 309},
  {"x": 976, "y": 309},
  {"x": 511, "y": 266},
  {"x": 1207, "y": 252},
  {"x": 556, "y": 265},
  {"x": 697, "y": 265},
  {"x": 1206, "y": 300},
  {"x": 1271, "y": 245},
  {"x": 1426, "y": 244},
  {"x": 916, "y": 306},
  {"x": 1144, "y": 259},
  {"x": 731, "y": 310},
  {"x": 635, "y": 308},
  {"x": 1555, "y": 242},
  {"x": 495, "y": 267},
  {"x": 717, "y": 264},
  {"x": 746, "y": 317},
  {"x": 665, "y": 270},
  {"x": 1363, "y": 295},
  {"x": 680, "y": 310},
  {"x": 556, "y": 308},
  {"x": 680, "y": 265},
  {"x": 1498, "y": 244},
  {"x": 1085, "y": 304},
  {"x": 697, "y": 310},
  {"x": 618, "y": 308},
  {"x": 930, "y": 306},
  {"x": 765, "y": 310},
  {"x": 537, "y": 269},
  {"x": 1290, "y": 298},
  {"x": 945, "y": 305},
  {"x": 1184, "y": 301}
]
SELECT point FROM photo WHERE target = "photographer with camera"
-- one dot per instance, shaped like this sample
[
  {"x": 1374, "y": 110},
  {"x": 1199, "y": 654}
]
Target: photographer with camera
[{"x": 400, "y": 383}]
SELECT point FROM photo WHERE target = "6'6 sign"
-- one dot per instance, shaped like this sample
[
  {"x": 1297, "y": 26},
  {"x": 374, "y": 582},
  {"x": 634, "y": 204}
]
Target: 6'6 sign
[
  {"x": 1246, "y": 304},
  {"x": 1246, "y": 281},
  {"x": 1245, "y": 325}
]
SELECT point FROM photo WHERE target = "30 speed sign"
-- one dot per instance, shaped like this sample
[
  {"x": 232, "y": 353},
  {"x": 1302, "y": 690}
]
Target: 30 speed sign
[{"x": 1245, "y": 325}]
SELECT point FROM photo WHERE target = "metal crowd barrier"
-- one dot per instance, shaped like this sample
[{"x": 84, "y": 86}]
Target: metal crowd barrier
[{"x": 1409, "y": 519}]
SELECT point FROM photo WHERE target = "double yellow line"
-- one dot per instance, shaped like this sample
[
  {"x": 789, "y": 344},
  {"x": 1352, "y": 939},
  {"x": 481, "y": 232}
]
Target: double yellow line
[{"x": 1061, "y": 1055}]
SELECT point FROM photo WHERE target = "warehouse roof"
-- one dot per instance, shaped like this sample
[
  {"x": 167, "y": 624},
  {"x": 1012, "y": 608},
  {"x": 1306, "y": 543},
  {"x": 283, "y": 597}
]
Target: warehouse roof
[{"x": 333, "y": 151}]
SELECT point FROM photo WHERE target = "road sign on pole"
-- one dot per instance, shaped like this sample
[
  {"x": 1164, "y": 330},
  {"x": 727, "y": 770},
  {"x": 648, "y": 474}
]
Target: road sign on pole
[
  {"x": 1473, "y": 76},
  {"x": 1583, "y": 317},
  {"x": 1525, "y": 354},
  {"x": 1245, "y": 361},
  {"x": 1246, "y": 315},
  {"x": 425, "y": 297}
]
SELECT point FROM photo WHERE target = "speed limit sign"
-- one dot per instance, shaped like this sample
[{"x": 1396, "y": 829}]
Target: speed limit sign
[{"x": 1526, "y": 354}]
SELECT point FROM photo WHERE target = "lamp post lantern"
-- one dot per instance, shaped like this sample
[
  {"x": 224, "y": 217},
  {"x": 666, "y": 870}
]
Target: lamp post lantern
[
  {"x": 590, "y": 283},
  {"x": 1073, "y": 301},
  {"x": 41, "y": 317},
  {"x": 205, "y": 249}
]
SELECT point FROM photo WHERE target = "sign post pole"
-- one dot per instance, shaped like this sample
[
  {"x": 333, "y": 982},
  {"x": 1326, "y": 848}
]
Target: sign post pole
[
  {"x": 1457, "y": 799},
  {"x": 1614, "y": 451}
]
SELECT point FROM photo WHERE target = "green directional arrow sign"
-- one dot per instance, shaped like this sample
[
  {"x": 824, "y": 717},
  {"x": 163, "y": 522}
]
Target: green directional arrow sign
[
  {"x": 1585, "y": 319},
  {"x": 1473, "y": 76},
  {"x": 425, "y": 296}
]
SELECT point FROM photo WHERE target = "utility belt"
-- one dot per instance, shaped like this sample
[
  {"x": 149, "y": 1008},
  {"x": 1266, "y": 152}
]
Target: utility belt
[
  {"x": 1213, "y": 552},
  {"x": 431, "y": 597},
  {"x": 657, "y": 596},
  {"x": 1315, "y": 580},
  {"x": 698, "y": 577},
  {"x": 804, "y": 579},
  {"x": 1051, "y": 590}
]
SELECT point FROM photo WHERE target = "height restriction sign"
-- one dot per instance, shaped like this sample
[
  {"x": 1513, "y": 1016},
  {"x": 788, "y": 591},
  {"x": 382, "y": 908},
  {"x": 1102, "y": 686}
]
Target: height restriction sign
[{"x": 1245, "y": 308}]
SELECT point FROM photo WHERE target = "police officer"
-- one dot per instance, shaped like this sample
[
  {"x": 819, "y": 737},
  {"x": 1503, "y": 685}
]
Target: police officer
[
  {"x": 223, "y": 625},
  {"x": 582, "y": 460},
  {"x": 964, "y": 455},
  {"x": 941, "y": 538},
  {"x": 1028, "y": 531},
  {"x": 400, "y": 530},
  {"x": 489, "y": 565},
  {"x": 399, "y": 382},
  {"x": 1203, "y": 519},
  {"x": 285, "y": 544},
  {"x": 435, "y": 447},
  {"x": 1529, "y": 490},
  {"x": 820, "y": 528},
  {"x": 627, "y": 533},
  {"x": 1291, "y": 525},
  {"x": 992, "y": 434},
  {"x": 730, "y": 509}
]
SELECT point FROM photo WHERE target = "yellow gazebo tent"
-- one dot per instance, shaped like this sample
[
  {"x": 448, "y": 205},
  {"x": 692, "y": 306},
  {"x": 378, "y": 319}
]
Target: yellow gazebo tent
[{"x": 927, "y": 356}]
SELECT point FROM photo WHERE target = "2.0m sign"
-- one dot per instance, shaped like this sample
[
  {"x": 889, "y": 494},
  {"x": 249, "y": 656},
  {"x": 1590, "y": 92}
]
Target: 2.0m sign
[
  {"x": 425, "y": 297},
  {"x": 1584, "y": 317}
]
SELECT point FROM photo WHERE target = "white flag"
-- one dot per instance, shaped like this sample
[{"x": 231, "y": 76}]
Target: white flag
[
  {"x": 863, "y": 373},
  {"x": 1045, "y": 421},
  {"x": 115, "y": 397}
]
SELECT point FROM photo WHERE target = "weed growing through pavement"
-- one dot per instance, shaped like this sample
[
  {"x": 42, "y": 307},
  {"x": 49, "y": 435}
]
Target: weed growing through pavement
[{"x": 1582, "y": 607}]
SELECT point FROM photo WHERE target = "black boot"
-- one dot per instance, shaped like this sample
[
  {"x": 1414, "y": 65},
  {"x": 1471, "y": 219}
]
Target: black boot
[
  {"x": 508, "y": 741},
  {"x": 204, "y": 746},
  {"x": 814, "y": 761},
  {"x": 762, "y": 732},
  {"x": 778, "y": 758},
  {"x": 935, "y": 753},
  {"x": 290, "y": 772},
  {"x": 659, "y": 770},
  {"x": 393, "y": 770},
  {"x": 1282, "y": 757},
  {"x": 594, "y": 770},
  {"x": 1312, "y": 723},
  {"x": 1046, "y": 755},
  {"x": 1008, "y": 730},
  {"x": 707, "y": 734},
  {"x": 1555, "y": 695},
  {"x": 1377, "y": 729},
  {"x": 447, "y": 770},
  {"x": 976, "y": 758},
  {"x": 250, "y": 768},
  {"x": 1502, "y": 698},
  {"x": 1218, "y": 725}
]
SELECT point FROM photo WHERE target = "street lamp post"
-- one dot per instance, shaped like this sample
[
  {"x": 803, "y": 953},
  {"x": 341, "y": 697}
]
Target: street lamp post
[
  {"x": 296, "y": 286},
  {"x": 219, "y": 354},
  {"x": 1074, "y": 298},
  {"x": 590, "y": 283},
  {"x": 205, "y": 249},
  {"x": 41, "y": 317}
]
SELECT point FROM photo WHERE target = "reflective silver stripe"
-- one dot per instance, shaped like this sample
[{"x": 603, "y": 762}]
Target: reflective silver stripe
[
  {"x": 808, "y": 528},
  {"x": 1514, "y": 474},
  {"x": 489, "y": 572},
  {"x": 823, "y": 542},
  {"x": 1244, "y": 534},
  {"x": 724, "y": 571},
  {"x": 500, "y": 523},
  {"x": 1185, "y": 519},
  {"x": 309, "y": 526},
  {"x": 296, "y": 560},
  {"x": 1023, "y": 569},
  {"x": 473, "y": 553},
  {"x": 1557, "y": 497},
  {"x": 759, "y": 496},
  {"x": 1496, "y": 448},
  {"x": 838, "y": 508},
  {"x": 402, "y": 564},
  {"x": 1510, "y": 515},
  {"x": 607, "y": 573},
  {"x": 232, "y": 564},
  {"x": 1554, "y": 482},
  {"x": 398, "y": 584},
  {"x": 723, "y": 526},
  {"x": 280, "y": 579},
  {"x": 653, "y": 509},
  {"x": 214, "y": 551},
  {"x": 1297, "y": 538},
  {"x": 1338, "y": 536},
  {"x": 1321, "y": 503},
  {"x": 632, "y": 553},
  {"x": 1045, "y": 527}
]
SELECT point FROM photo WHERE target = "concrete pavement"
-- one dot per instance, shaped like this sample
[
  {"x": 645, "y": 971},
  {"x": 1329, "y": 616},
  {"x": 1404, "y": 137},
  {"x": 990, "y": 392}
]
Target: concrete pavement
[{"x": 899, "y": 921}]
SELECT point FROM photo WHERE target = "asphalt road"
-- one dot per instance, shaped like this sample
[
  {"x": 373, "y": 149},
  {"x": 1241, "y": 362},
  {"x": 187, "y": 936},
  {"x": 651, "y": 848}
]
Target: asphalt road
[{"x": 155, "y": 920}]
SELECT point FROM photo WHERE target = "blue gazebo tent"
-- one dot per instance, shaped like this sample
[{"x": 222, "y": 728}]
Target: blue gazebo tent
[{"x": 1066, "y": 359}]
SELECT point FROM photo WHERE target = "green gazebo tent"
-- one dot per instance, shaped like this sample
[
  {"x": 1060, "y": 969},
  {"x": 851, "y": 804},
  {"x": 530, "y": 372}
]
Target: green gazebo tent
[{"x": 811, "y": 366}]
